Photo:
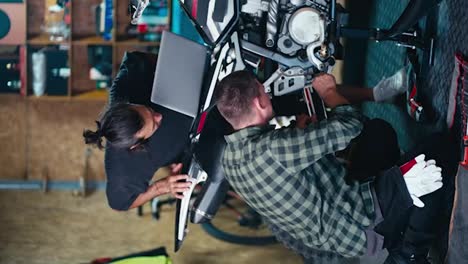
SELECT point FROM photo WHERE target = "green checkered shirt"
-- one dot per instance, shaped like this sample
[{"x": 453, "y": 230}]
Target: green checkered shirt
[{"x": 292, "y": 178}]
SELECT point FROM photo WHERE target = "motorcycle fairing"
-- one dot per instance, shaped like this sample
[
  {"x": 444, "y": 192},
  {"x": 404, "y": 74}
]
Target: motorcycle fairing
[
  {"x": 212, "y": 18},
  {"x": 196, "y": 176},
  {"x": 227, "y": 60}
]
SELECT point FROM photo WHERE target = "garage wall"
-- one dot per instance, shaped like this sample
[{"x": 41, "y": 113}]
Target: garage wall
[{"x": 43, "y": 136}]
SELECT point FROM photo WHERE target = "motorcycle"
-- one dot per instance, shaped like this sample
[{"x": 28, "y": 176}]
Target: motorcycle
[{"x": 285, "y": 43}]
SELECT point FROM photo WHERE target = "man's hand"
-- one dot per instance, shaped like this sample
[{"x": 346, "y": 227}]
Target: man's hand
[
  {"x": 303, "y": 120},
  {"x": 172, "y": 184},
  {"x": 175, "y": 168},
  {"x": 423, "y": 178},
  {"x": 325, "y": 85},
  {"x": 176, "y": 185}
]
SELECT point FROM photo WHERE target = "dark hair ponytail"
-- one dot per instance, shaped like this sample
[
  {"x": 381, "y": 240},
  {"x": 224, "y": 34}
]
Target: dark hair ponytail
[
  {"x": 91, "y": 137},
  {"x": 118, "y": 124}
]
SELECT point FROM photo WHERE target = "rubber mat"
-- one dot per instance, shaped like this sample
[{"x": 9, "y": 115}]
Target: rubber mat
[{"x": 382, "y": 59}]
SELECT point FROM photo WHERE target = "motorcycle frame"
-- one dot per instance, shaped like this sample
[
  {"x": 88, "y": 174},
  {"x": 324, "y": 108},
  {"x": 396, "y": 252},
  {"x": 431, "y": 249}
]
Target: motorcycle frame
[{"x": 398, "y": 33}]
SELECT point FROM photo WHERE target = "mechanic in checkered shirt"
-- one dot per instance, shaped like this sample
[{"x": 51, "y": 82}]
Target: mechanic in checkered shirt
[{"x": 292, "y": 177}]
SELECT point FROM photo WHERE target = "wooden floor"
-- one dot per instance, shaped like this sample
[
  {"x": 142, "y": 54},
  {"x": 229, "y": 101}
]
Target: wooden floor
[{"x": 57, "y": 227}]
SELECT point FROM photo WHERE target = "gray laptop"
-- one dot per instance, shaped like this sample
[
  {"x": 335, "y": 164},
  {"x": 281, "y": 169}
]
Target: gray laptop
[{"x": 179, "y": 74}]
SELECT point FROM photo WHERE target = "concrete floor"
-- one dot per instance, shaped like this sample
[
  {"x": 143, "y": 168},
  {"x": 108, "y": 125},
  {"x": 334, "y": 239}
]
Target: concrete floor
[{"x": 57, "y": 227}]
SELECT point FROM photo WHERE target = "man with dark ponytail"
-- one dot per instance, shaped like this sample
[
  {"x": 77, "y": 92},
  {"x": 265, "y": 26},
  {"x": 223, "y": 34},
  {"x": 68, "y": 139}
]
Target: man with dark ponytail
[
  {"x": 140, "y": 137},
  {"x": 119, "y": 125}
]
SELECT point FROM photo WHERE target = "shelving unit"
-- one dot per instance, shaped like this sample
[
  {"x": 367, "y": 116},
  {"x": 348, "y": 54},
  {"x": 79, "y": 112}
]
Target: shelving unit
[{"x": 82, "y": 40}]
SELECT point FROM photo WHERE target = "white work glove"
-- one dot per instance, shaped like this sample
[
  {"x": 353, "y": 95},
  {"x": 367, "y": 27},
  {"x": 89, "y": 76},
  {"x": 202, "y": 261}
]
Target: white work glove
[
  {"x": 422, "y": 178},
  {"x": 392, "y": 86}
]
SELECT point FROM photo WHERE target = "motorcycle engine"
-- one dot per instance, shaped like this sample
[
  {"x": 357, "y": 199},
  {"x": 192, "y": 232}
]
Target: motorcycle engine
[{"x": 294, "y": 28}]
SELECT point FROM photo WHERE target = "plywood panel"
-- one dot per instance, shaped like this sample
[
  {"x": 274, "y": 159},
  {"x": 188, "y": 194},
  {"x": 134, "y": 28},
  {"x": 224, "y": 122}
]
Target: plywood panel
[
  {"x": 56, "y": 142},
  {"x": 12, "y": 137},
  {"x": 35, "y": 10},
  {"x": 80, "y": 70},
  {"x": 122, "y": 18},
  {"x": 84, "y": 18}
]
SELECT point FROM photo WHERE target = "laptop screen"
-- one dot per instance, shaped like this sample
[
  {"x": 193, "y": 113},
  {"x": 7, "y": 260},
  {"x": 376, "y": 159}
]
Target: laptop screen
[{"x": 179, "y": 74}]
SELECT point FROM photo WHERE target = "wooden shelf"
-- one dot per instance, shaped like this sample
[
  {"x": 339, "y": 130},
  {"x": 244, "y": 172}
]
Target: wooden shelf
[
  {"x": 92, "y": 40},
  {"x": 97, "y": 40},
  {"x": 100, "y": 95},
  {"x": 44, "y": 40},
  {"x": 11, "y": 95},
  {"x": 80, "y": 45},
  {"x": 136, "y": 42},
  {"x": 49, "y": 97}
]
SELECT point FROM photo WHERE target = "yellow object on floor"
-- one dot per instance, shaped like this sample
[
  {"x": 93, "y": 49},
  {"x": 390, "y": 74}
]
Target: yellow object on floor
[{"x": 145, "y": 260}]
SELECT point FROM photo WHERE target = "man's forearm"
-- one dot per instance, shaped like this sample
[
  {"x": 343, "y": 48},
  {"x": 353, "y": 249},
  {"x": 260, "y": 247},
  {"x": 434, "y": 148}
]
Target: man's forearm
[
  {"x": 140, "y": 200},
  {"x": 355, "y": 95},
  {"x": 325, "y": 86},
  {"x": 153, "y": 190},
  {"x": 333, "y": 99}
]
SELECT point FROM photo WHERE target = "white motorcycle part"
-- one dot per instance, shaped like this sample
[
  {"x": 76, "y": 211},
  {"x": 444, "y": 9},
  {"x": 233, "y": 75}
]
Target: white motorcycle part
[
  {"x": 197, "y": 175},
  {"x": 284, "y": 82},
  {"x": 307, "y": 27}
]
